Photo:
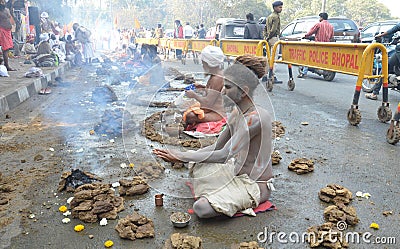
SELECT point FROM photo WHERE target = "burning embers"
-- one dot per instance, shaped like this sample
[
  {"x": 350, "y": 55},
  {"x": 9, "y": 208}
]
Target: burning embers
[{"x": 72, "y": 180}]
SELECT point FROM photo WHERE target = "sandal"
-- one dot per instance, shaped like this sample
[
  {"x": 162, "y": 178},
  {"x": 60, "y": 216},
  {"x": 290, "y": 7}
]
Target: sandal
[
  {"x": 45, "y": 91},
  {"x": 371, "y": 96},
  {"x": 302, "y": 75}
]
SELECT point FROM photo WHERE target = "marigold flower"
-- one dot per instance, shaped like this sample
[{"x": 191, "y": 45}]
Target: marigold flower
[
  {"x": 79, "y": 228},
  {"x": 63, "y": 209},
  {"x": 108, "y": 243},
  {"x": 374, "y": 225}
]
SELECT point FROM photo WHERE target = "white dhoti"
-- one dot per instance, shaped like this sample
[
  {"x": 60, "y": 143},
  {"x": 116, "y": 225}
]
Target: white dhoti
[{"x": 226, "y": 192}]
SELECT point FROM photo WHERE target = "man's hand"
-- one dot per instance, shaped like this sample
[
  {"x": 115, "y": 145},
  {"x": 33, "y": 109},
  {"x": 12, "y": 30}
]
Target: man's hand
[
  {"x": 190, "y": 94},
  {"x": 166, "y": 155},
  {"x": 198, "y": 85}
]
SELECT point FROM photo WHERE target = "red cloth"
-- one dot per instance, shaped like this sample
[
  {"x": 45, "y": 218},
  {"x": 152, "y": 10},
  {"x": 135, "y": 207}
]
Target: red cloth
[
  {"x": 323, "y": 31},
  {"x": 262, "y": 207},
  {"x": 208, "y": 127},
  {"x": 6, "y": 39}
]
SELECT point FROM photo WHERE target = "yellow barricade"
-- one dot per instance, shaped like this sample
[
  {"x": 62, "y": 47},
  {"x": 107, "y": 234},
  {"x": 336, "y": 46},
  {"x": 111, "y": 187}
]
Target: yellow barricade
[
  {"x": 150, "y": 41},
  {"x": 199, "y": 44},
  {"x": 342, "y": 58},
  {"x": 239, "y": 47},
  {"x": 164, "y": 42},
  {"x": 179, "y": 44},
  {"x": 354, "y": 59}
]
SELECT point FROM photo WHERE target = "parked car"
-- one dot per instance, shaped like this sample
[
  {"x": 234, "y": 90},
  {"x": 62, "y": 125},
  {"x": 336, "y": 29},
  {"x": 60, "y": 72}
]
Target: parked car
[
  {"x": 369, "y": 32},
  {"x": 229, "y": 28},
  {"x": 346, "y": 31}
]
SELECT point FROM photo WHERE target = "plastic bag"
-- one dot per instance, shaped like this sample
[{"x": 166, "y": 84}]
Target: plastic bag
[
  {"x": 34, "y": 72},
  {"x": 3, "y": 71}
]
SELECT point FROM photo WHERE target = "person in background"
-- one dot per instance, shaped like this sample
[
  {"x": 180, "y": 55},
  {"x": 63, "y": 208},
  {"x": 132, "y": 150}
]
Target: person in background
[
  {"x": 188, "y": 31},
  {"x": 159, "y": 31},
  {"x": 202, "y": 32},
  {"x": 323, "y": 32},
  {"x": 272, "y": 28},
  {"x": 196, "y": 32},
  {"x": 210, "y": 107},
  {"x": 29, "y": 46},
  {"x": 394, "y": 60},
  {"x": 251, "y": 29},
  {"x": 6, "y": 41},
  {"x": 46, "y": 25},
  {"x": 178, "y": 33},
  {"x": 82, "y": 35},
  {"x": 44, "y": 47},
  {"x": 72, "y": 53}
]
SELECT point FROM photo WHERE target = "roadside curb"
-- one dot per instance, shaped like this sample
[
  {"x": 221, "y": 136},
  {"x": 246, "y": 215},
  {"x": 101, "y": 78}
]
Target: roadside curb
[{"x": 15, "y": 98}]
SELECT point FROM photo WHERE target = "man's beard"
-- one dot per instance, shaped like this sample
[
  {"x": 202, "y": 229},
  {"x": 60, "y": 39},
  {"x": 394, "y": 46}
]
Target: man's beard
[{"x": 234, "y": 100}]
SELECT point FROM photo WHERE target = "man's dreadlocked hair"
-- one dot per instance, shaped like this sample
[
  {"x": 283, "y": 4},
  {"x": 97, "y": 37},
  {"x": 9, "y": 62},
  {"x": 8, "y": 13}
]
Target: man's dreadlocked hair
[{"x": 256, "y": 64}]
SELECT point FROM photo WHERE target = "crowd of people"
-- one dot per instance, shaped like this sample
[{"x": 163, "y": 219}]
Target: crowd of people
[{"x": 48, "y": 44}]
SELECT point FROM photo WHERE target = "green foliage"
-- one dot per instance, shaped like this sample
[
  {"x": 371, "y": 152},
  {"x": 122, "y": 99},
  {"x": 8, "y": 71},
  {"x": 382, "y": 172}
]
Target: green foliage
[
  {"x": 361, "y": 11},
  {"x": 151, "y": 12}
]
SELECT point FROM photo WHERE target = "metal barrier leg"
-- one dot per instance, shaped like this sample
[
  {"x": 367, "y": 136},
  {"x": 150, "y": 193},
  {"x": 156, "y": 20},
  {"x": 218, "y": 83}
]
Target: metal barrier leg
[
  {"x": 291, "y": 84},
  {"x": 384, "y": 112},
  {"x": 393, "y": 133},
  {"x": 195, "y": 57},
  {"x": 354, "y": 114},
  {"x": 270, "y": 80}
]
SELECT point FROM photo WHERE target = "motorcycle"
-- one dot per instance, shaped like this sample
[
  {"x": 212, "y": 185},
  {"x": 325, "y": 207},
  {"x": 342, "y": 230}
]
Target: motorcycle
[
  {"x": 328, "y": 75},
  {"x": 394, "y": 77}
]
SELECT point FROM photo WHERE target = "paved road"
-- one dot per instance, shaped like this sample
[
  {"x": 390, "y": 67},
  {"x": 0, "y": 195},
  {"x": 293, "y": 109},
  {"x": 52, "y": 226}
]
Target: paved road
[{"x": 356, "y": 157}]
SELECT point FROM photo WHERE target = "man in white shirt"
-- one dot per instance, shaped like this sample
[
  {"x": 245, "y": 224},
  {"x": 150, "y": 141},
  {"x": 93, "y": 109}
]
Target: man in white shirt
[{"x": 188, "y": 31}]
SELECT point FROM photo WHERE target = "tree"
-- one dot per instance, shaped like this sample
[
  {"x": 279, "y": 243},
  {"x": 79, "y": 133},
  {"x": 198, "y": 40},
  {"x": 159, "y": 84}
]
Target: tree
[
  {"x": 371, "y": 11},
  {"x": 360, "y": 11}
]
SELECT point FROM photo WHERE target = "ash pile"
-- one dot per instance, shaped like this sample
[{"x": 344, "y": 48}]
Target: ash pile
[{"x": 111, "y": 123}]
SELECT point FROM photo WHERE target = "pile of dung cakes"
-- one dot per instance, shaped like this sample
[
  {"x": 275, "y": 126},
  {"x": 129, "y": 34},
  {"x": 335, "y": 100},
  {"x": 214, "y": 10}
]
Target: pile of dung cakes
[
  {"x": 301, "y": 165},
  {"x": 337, "y": 216},
  {"x": 95, "y": 201},
  {"x": 135, "y": 226}
]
